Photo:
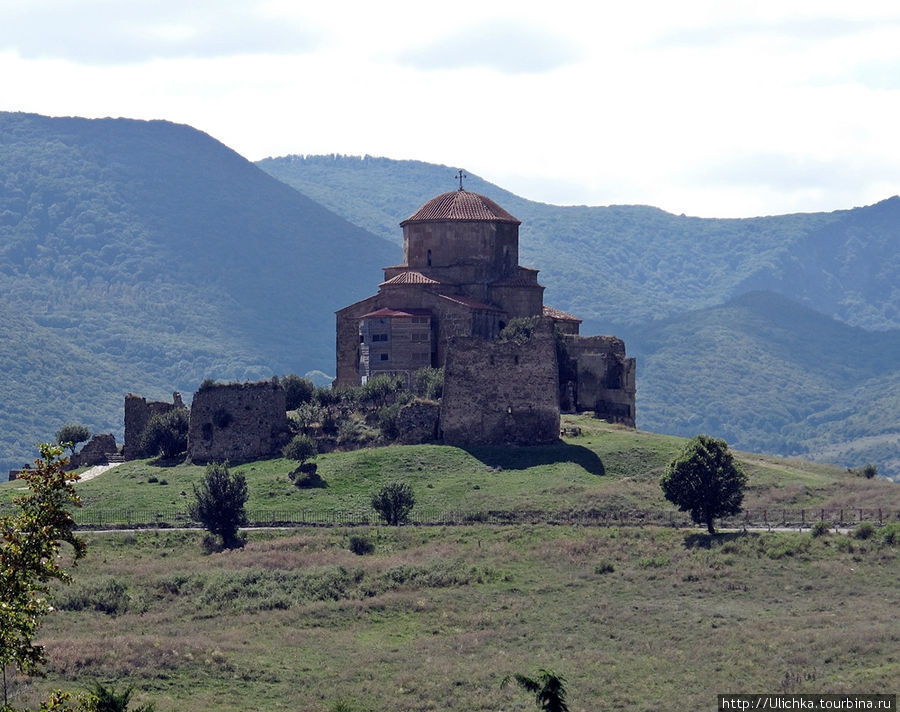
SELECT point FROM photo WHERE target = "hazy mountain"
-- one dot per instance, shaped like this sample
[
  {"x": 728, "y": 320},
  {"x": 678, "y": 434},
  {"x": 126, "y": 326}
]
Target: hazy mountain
[
  {"x": 630, "y": 264},
  {"x": 785, "y": 369},
  {"x": 146, "y": 256}
]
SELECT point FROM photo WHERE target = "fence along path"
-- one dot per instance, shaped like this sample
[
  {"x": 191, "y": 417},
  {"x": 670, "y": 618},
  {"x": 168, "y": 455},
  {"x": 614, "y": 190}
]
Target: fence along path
[{"x": 754, "y": 518}]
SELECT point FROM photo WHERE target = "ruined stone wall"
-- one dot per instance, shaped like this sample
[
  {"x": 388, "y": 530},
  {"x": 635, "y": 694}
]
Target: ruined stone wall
[
  {"x": 237, "y": 422},
  {"x": 501, "y": 393},
  {"x": 138, "y": 412},
  {"x": 95, "y": 452},
  {"x": 418, "y": 422},
  {"x": 605, "y": 378}
]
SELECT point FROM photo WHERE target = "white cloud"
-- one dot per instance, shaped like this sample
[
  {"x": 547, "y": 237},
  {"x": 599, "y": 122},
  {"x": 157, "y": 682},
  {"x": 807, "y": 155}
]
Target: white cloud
[{"x": 698, "y": 107}]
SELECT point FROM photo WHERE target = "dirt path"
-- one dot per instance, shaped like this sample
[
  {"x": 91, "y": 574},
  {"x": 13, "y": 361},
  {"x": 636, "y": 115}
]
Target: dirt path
[{"x": 96, "y": 470}]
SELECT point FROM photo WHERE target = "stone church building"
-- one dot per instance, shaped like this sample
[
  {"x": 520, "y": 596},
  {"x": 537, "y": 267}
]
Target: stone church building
[{"x": 461, "y": 279}]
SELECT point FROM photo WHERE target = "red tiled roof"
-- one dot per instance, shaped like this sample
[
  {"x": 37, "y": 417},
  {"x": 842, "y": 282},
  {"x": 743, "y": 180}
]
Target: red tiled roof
[
  {"x": 410, "y": 277},
  {"x": 559, "y": 315},
  {"x": 460, "y": 205}
]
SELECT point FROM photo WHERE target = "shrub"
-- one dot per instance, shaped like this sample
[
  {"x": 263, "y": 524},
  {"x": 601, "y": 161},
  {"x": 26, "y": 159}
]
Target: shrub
[
  {"x": 393, "y": 502},
  {"x": 297, "y": 390},
  {"x": 301, "y": 448},
  {"x": 428, "y": 383},
  {"x": 219, "y": 504},
  {"x": 388, "y": 421},
  {"x": 891, "y": 534},
  {"x": 361, "y": 545},
  {"x": 166, "y": 434},
  {"x": 604, "y": 567},
  {"x": 307, "y": 477},
  {"x": 864, "y": 530},
  {"x": 820, "y": 529}
]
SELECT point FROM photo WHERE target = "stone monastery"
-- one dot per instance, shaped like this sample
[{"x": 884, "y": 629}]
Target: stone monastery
[
  {"x": 461, "y": 281},
  {"x": 459, "y": 285}
]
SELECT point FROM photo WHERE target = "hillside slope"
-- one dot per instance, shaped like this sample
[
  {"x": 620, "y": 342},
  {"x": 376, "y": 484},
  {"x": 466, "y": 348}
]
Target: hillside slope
[
  {"x": 630, "y": 264},
  {"x": 146, "y": 256}
]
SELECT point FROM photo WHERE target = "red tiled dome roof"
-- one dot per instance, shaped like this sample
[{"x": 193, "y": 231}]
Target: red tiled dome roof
[{"x": 460, "y": 205}]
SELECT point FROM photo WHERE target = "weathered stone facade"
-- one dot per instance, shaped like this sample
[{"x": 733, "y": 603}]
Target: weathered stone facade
[
  {"x": 138, "y": 412},
  {"x": 418, "y": 422},
  {"x": 460, "y": 279},
  {"x": 604, "y": 378},
  {"x": 502, "y": 392},
  {"x": 95, "y": 452},
  {"x": 237, "y": 422}
]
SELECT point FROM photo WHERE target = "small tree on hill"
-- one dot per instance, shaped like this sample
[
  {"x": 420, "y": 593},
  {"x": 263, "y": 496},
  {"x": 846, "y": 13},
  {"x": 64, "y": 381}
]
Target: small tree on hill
[
  {"x": 301, "y": 448},
  {"x": 219, "y": 504},
  {"x": 393, "y": 502},
  {"x": 166, "y": 434},
  {"x": 705, "y": 480},
  {"x": 548, "y": 688},
  {"x": 71, "y": 434}
]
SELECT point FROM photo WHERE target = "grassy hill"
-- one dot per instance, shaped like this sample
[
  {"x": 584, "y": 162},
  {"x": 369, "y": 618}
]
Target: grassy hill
[
  {"x": 145, "y": 257},
  {"x": 435, "y": 617}
]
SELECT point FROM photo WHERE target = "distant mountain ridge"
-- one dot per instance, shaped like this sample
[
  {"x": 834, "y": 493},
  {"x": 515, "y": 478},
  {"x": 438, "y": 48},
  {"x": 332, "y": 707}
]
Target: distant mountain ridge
[
  {"x": 747, "y": 329},
  {"x": 146, "y": 256},
  {"x": 630, "y": 264}
]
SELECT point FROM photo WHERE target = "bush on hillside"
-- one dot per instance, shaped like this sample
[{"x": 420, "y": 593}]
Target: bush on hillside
[
  {"x": 166, "y": 434},
  {"x": 393, "y": 502},
  {"x": 71, "y": 434},
  {"x": 297, "y": 390},
  {"x": 219, "y": 504},
  {"x": 301, "y": 448}
]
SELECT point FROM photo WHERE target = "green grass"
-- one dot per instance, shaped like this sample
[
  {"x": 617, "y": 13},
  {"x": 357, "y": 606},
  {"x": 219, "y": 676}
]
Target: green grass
[
  {"x": 606, "y": 468},
  {"x": 435, "y": 617}
]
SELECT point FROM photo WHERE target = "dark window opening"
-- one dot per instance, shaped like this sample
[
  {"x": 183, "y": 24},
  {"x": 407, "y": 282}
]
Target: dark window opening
[{"x": 429, "y": 258}]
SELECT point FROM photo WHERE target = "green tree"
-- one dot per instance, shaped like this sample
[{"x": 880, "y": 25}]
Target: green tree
[
  {"x": 297, "y": 390},
  {"x": 108, "y": 699},
  {"x": 705, "y": 480},
  {"x": 301, "y": 448},
  {"x": 166, "y": 434},
  {"x": 393, "y": 502},
  {"x": 71, "y": 434},
  {"x": 219, "y": 504},
  {"x": 428, "y": 383},
  {"x": 548, "y": 688},
  {"x": 30, "y": 544}
]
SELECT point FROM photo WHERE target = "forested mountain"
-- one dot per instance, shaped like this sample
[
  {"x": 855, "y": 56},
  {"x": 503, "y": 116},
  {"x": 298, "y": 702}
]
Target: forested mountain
[
  {"x": 747, "y": 329},
  {"x": 630, "y": 264},
  {"x": 145, "y": 257}
]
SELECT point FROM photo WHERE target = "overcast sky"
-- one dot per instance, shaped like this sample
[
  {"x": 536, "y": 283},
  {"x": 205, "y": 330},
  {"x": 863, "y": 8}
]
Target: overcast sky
[{"x": 717, "y": 109}]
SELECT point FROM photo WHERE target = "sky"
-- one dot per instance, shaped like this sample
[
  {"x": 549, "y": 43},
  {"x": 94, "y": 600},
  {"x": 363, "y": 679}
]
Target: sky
[{"x": 715, "y": 109}]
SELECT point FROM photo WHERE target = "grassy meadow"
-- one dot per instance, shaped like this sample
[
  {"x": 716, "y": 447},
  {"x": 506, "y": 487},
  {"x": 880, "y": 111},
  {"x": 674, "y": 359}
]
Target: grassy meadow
[{"x": 635, "y": 618}]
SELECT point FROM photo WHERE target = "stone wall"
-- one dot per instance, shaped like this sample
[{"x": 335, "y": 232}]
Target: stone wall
[
  {"x": 418, "y": 422},
  {"x": 604, "y": 378},
  {"x": 138, "y": 412},
  {"x": 501, "y": 393},
  {"x": 95, "y": 452},
  {"x": 237, "y": 422}
]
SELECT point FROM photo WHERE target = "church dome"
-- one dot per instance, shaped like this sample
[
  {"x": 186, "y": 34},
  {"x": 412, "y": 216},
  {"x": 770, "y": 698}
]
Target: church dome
[{"x": 460, "y": 205}]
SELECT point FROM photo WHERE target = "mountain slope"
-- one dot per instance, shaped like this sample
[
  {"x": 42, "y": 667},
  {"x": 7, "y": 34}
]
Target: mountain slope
[
  {"x": 631, "y": 264},
  {"x": 771, "y": 375},
  {"x": 146, "y": 256}
]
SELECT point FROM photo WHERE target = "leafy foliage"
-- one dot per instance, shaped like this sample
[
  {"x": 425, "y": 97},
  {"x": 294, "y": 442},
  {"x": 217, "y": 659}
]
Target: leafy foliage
[
  {"x": 108, "y": 699},
  {"x": 219, "y": 504},
  {"x": 548, "y": 688},
  {"x": 166, "y": 434},
  {"x": 70, "y": 435},
  {"x": 705, "y": 480},
  {"x": 301, "y": 448},
  {"x": 394, "y": 502},
  {"x": 297, "y": 390},
  {"x": 518, "y": 330},
  {"x": 29, "y": 558},
  {"x": 428, "y": 383}
]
